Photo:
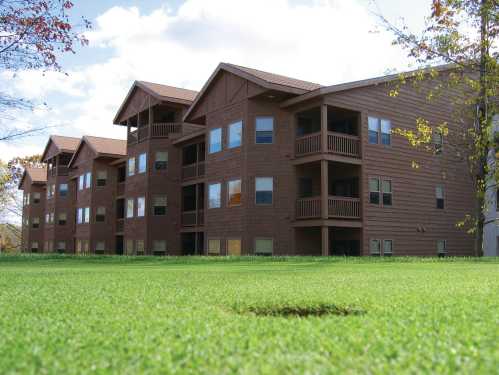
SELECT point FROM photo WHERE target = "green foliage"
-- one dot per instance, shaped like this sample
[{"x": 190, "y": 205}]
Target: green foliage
[{"x": 128, "y": 315}]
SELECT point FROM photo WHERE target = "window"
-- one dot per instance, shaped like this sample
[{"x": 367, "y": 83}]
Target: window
[
  {"x": 129, "y": 247},
  {"x": 234, "y": 193},
  {"x": 61, "y": 246},
  {"x": 234, "y": 247},
  {"x": 159, "y": 205},
  {"x": 161, "y": 160},
  {"x": 235, "y": 134},
  {"x": 141, "y": 206},
  {"x": 87, "y": 215},
  {"x": 387, "y": 192},
  {"x": 63, "y": 217},
  {"x": 140, "y": 247},
  {"x": 100, "y": 247},
  {"x": 88, "y": 180},
  {"x": 373, "y": 130},
  {"x": 214, "y": 194},
  {"x": 213, "y": 247},
  {"x": 438, "y": 142},
  {"x": 441, "y": 247},
  {"x": 78, "y": 246},
  {"x": 63, "y": 190},
  {"x": 159, "y": 246},
  {"x": 79, "y": 215},
  {"x": 81, "y": 182},
  {"x": 36, "y": 198},
  {"x": 101, "y": 178},
  {"x": 387, "y": 247},
  {"x": 264, "y": 190},
  {"x": 375, "y": 247},
  {"x": 85, "y": 246},
  {"x": 35, "y": 223},
  {"x": 51, "y": 218},
  {"x": 374, "y": 190},
  {"x": 379, "y": 126},
  {"x": 47, "y": 218},
  {"x": 129, "y": 208},
  {"x": 264, "y": 246},
  {"x": 34, "y": 246},
  {"x": 131, "y": 166},
  {"x": 386, "y": 131},
  {"x": 439, "y": 193},
  {"x": 264, "y": 130},
  {"x": 215, "y": 141},
  {"x": 142, "y": 163},
  {"x": 100, "y": 215}
]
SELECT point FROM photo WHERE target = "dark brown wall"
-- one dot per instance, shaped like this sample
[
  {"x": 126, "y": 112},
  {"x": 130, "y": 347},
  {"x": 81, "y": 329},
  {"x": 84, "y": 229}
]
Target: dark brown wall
[{"x": 30, "y": 211}]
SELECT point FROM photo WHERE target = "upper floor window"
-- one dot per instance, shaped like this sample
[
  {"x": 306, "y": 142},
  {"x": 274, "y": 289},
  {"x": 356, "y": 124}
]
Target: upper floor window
[
  {"x": 51, "y": 218},
  {"x": 215, "y": 140},
  {"x": 142, "y": 163},
  {"x": 88, "y": 180},
  {"x": 36, "y": 197},
  {"x": 101, "y": 178},
  {"x": 380, "y": 131},
  {"x": 235, "y": 134},
  {"x": 159, "y": 205},
  {"x": 35, "y": 223},
  {"x": 214, "y": 194},
  {"x": 386, "y": 186},
  {"x": 63, "y": 190},
  {"x": 264, "y": 130},
  {"x": 161, "y": 160},
  {"x": 374, "y": 190},
  {"x": 234, "y": 193},
  {"x": 47, "y": 218},
  {"x": 81, "y": 182},
  {"x": 380, "y": 188},
  {"x": 129, "y": 208},
  {"x": 100, "y": 214},
  {"x": 79, "y": 215},
  {"x": 264, "y": 246},
  {"x": 439, "y": 194},
  {"x": 438, "y": 141},
  {"x": 86, "y": 216},
  {"x": 131, "y": 166},
  {"x": 264, "y": 187},
  {"x": 141, "y": 206}
]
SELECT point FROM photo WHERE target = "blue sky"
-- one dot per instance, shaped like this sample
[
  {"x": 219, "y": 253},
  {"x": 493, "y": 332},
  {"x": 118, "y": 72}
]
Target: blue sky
[{"x": 180, "y": 42}]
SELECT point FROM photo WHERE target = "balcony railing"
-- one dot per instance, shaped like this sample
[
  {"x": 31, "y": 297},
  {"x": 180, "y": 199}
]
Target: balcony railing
[
  {"x": 338, "y": 208},
  {"x": 120, "y": 225},
  {"x": 192, "y": 171},
  {"x": 155, "y": 130},
  {"x": 59, "y": 171},
  {"x": 337, "y": 143},
  {"x": 192, "y": 218}
]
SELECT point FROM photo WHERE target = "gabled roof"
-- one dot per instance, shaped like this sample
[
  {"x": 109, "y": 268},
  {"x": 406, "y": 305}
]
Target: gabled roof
[
  {"x": 38, "y": 175},
  {"x": 109, "y": 147},
  {"x": 357, "y": 84},
  {"x": 63, "y": 144},
  {"x": 270, "y": 81},
  {"x": 161, "y": 92}
]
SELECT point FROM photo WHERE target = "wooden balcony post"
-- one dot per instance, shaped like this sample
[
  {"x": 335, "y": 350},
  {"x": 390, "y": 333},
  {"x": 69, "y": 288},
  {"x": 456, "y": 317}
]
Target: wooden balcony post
[
  {"x": 324, "y": 189},
  {"x": 324, "y": 128},
  {"x": 325, "y": 241}
]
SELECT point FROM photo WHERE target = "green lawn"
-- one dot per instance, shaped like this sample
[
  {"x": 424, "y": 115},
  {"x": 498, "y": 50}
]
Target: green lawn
[{"x": 202, "y": 315}]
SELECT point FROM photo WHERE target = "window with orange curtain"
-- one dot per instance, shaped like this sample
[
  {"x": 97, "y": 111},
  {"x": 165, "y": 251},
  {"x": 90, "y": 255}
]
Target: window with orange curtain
[{"x": 234, "y": 190}]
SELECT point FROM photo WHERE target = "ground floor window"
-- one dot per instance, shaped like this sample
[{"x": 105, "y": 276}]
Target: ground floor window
[
  {"x": 100, "y": 246},
  {"x": 264, "y": 246},
  {"x": 234, "y": 246},
  {"x": 441, "y": 248},
  {"x": 214, "y": 246},
  {"x": 34, "y": 246},
  {"x": 159, "y": 247},
  {"x": 387, "y": 248},
  {"x": 61, "y": 246},
  {"x": 129, "y": 247},
  {"x": 140, "y": 247},
  {"x": 375, "y": 247}
]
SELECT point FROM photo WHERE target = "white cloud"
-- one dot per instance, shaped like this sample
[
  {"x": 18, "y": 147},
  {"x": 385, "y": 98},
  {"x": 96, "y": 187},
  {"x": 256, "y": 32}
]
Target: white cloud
[{"x": 322, "y": 41}]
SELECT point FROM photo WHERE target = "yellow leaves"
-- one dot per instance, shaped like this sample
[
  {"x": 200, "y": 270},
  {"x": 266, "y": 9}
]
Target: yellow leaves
[{"x": 414, "y": 164}]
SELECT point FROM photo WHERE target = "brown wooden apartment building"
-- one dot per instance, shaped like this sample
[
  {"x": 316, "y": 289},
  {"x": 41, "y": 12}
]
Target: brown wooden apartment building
[{"x": 258, "y": 163}]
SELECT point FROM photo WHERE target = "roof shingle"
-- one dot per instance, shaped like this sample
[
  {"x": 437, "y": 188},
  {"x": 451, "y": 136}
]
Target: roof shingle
[
  {"x": 107, "y": 145},
  {"x": 170, "y": 91},
  {"x": 37, "y": 174}
]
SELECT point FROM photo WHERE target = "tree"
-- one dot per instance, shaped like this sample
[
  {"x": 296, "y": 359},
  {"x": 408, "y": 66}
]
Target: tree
[
  {"x": 33, "y": 34},
  {"x": 11, "y": 206},
  {"x": 463, "y": 34}
]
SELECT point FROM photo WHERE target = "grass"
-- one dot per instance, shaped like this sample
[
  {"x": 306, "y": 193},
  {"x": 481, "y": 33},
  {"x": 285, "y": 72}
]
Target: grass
[{"x": 66, "y": 315}]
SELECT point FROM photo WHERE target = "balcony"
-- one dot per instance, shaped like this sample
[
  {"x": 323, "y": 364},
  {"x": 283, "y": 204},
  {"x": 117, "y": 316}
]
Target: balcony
[
  {"x": 59, "y": 171},
  {"x": 337, "y": 143},
  {"x": 155, "y": 130},
  {"x": 193, "y": 171},
  {"x": 338, "y": 208},
  {"x": 192, "y": 218}
]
